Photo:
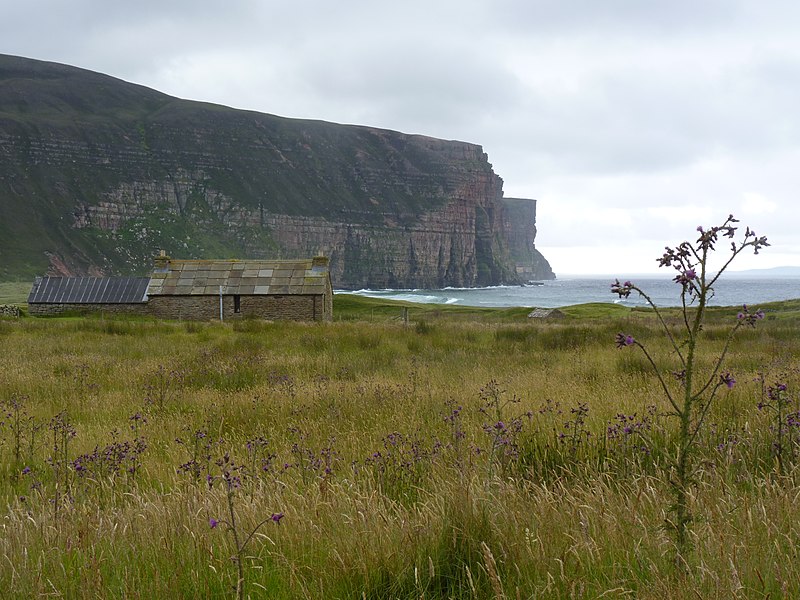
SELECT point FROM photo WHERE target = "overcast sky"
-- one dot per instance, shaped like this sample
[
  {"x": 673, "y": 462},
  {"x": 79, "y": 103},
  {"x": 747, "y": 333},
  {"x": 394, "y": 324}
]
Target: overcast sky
[{"x": 630, "y": 121}]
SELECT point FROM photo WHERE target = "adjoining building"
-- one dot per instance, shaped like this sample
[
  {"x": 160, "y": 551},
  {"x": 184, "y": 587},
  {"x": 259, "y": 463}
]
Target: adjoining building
[
  {"x": 117, "y": 295},
  {"x": 198, "y": 290}
]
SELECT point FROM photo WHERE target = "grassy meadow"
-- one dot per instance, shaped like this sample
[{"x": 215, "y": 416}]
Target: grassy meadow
[{"x": 470, "y": 453}]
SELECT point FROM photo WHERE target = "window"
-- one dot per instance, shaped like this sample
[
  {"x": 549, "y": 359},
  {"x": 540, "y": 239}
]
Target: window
[{"x": 237, "y": 303}]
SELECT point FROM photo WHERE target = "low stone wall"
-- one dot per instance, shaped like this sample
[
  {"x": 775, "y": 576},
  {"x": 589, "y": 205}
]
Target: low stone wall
[
  {"x": 43, "y": 310},
  {"x": 9, "y": 310}
]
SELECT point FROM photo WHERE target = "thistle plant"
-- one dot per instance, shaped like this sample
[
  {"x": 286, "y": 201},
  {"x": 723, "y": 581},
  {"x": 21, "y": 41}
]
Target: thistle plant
[
  {"x": 575, "y": 431},
  {"x": 163, "y": 386},
  {"x": 62, "y": 432},
  {"x": 697, "y": 388},
  {"x": 200, "y": 445},
  {"x": 313, "y": 464},
  {"x": 785, "y": 422},
  {"x": 454, "y": 422},
  {"x": 502, "y": 429},
  {"x": 22, "y": 428},
  {"x": 230, "y": 476},
  {"x": 120, "y": 459},
  {"x": 402, "y": 466}
]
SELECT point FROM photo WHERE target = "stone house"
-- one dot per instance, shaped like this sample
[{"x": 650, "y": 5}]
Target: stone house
[
  {"x": 298, "y": 290},
  {"x": 201, "y": 290}
]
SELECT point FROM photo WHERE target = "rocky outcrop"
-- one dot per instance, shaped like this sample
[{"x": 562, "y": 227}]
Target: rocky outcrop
[{"x": 97, "y": 174}]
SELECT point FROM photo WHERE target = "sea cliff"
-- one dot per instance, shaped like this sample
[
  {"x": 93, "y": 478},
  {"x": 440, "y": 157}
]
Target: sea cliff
[{"x": 97, "y": 174}]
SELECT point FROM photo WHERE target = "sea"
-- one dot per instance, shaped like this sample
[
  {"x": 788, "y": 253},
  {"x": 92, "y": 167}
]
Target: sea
[{"x": 566, "y": 291}]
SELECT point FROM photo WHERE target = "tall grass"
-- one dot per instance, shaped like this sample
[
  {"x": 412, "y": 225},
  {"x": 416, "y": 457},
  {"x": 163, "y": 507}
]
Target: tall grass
[{"x": 370, "y": 439}]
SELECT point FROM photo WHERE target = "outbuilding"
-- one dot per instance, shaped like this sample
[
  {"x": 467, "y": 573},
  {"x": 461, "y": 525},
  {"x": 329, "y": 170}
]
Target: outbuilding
[{"x": 117, "y": 295}]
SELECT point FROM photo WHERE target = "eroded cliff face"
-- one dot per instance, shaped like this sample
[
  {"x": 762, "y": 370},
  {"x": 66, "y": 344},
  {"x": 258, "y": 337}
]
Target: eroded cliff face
[{"x": 101, "y": 189}]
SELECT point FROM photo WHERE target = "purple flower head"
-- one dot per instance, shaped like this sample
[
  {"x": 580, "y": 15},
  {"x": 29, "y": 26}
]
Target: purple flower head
[
  {"x": 623, "y": 340},
  {"x": 748, "y": 317},
  {"x": 727, "y": 379},
  {"x": 500, "y": 426},
  {"x": 776, "y": 392},
  {"x": 212, "y": 523},
  {"x": 686, "y": 277},
  {"x": 276, "y": 518},
  {"x": 26, "y": 470}
]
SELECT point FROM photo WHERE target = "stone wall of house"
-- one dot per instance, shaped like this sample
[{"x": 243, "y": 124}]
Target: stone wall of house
[
  {"x": 43, "y": 310},
  {"x": 206, "y": 308},
  {"x": 272, "y": 307}
]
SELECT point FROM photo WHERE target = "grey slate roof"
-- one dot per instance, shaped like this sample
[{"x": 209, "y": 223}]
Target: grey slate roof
[
  {"x": 88, "y": 290},
  {"x": 242, "y": 277}
]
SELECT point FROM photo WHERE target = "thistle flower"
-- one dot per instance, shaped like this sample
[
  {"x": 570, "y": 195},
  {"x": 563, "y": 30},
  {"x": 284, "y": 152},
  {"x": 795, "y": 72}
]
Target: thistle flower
[
  {"x": 686, "y": 277},
  {"x": 727, "y": 379},
  {"x": 623, "y": 290},
  {"x": 748, "y": 317},
  {"x": 623, "y": 340}
]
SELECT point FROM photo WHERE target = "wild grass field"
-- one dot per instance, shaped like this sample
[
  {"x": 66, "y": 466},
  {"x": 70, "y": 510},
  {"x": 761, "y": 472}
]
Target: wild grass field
[{"x": 451, "y": 458}]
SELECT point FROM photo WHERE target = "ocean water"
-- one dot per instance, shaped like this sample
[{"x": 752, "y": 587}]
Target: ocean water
[{"x": 732, "y": 291}]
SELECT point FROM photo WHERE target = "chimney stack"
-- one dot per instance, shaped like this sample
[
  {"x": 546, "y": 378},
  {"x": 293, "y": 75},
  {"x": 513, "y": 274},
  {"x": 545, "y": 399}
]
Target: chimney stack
[{"x": 161, "y": 262}]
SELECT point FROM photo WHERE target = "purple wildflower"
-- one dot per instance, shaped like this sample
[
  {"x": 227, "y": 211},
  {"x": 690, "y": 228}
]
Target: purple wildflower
[
  {"x": 212, "y": 523},
  {"x": 775, "y": 392},
  {"x": 26, "y": 470},
  {"x": 276, "y": 518},
  {"x": 623, "y": 340},
  {"x": 686, "y": 277},
  {"x": 727, "y": 379},
  {"x": 748, "y": 317}
]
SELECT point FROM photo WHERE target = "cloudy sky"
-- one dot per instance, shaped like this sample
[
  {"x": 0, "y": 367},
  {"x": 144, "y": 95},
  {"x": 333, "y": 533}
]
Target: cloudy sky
[{"x": 632, "y": 122}]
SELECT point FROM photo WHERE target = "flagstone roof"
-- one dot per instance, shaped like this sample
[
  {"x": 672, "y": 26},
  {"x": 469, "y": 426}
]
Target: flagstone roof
[{"x": 174, "y": 277}]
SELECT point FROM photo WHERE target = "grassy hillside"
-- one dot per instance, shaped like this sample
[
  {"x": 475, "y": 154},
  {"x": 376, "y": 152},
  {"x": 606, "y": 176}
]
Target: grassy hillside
[{"x": 471, "y": 454}]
